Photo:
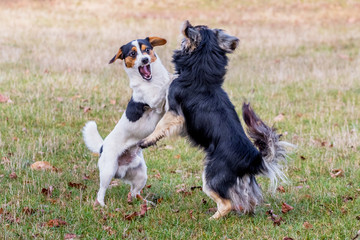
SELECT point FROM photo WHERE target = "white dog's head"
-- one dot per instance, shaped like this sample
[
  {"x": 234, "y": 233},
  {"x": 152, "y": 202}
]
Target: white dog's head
[{"x": 138, "y": 56}]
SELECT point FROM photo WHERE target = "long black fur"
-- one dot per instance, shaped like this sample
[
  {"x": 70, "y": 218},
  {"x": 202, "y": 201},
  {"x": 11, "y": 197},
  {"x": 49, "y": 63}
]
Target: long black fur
[{"x": 211, "y": 120}]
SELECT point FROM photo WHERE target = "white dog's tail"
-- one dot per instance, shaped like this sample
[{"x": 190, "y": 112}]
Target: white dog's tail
[
  {"x": 91, "y": 136},
  {"x": 269, "y": 144}
]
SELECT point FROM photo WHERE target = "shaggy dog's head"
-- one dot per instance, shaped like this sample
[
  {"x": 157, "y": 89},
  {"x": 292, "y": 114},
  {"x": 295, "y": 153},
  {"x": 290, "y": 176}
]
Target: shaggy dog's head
[
  {"x": 194, "y": 36},
  {"x": 202, "y": 55}
]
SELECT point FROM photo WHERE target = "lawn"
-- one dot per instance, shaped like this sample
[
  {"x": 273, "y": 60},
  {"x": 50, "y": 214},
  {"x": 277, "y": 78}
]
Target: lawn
[{"x": 298, "y": 64}]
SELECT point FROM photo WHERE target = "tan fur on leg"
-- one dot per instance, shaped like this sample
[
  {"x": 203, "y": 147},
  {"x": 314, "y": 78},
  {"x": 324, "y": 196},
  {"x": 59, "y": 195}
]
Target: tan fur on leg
[
  {"x": 170, "y": 124},
  {"x": 223, "y": 206}
]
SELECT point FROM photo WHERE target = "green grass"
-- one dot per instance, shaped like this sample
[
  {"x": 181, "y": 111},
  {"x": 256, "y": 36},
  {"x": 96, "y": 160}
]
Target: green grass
[{"x": 301, "y": 61}]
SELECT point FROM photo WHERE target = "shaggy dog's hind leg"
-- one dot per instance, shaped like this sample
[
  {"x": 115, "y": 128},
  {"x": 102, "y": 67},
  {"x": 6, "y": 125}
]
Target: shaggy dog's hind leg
[{"x": 224, "y": 206}]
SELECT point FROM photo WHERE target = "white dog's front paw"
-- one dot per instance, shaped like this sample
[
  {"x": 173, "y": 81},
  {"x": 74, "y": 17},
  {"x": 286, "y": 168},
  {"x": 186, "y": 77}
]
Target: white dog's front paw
[{"x": 99, "y": 202}]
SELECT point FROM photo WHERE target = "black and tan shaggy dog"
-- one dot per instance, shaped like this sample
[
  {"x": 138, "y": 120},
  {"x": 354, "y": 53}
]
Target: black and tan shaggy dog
[{"x": 200, "y": 108}]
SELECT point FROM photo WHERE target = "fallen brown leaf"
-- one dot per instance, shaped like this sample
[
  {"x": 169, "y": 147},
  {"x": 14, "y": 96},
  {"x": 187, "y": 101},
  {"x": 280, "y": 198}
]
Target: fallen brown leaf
[
  {"x": 1, "y": 211},
  {"x": 276, "y": 221},
  {"x": 77, "y": 185},
  {"x": 42, "y": 165},
  {"x": 56, "y": 223},
  {"x": 47, "y": 191},
  {"x": 13, "y": 175},
  {"x": 279, "y": 118},
  {"x": 183, "y": 191},
  {"x": 307, "y": 225},
  {"x": 286, "y": 207},
  {"x": 4, "y": 99},
  {"x": 87, "y": 109},
  {"x": 28, "y": 211},
  {"x": 143, "y": 209},
  {"x": 281, "y": 189},
  {"x": 191, "y": 214},
  {"x": 109, "y": 230},
  {"x": 131, "y": 216},
  {"x": 158, "y": 176},
  {"x": 337, "y": 173},
  {"x": 288, "y": 238},
  {"x": 71, "y": 236}
]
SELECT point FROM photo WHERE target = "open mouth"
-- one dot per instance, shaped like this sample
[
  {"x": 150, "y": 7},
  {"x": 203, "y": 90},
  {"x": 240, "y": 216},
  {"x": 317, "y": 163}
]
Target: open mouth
[{"x": 145, "y": 72}]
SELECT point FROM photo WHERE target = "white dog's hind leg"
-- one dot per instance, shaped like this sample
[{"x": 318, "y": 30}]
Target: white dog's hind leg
[{"x": 107, "y": 167}]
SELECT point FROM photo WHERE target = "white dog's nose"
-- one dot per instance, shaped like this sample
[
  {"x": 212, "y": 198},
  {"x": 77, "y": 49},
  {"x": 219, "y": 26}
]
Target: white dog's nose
[{"x": 145, "y": 60}]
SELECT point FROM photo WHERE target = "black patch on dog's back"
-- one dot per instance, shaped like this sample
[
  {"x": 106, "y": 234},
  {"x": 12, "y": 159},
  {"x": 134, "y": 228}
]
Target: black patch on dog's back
[{"x": 135, "y": 110}]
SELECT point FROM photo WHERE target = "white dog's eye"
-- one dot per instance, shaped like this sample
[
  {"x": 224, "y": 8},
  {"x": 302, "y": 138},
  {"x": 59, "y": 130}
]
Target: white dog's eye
[{"x": 147, "y": 50}]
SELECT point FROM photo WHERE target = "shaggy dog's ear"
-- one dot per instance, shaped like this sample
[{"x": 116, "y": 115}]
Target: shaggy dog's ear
[
  {"x": 118, "y": 55},
  {"x": 226, "y": 42},
  {"x": 190, "y": 32},
  {"x": 156, "y": 41}
]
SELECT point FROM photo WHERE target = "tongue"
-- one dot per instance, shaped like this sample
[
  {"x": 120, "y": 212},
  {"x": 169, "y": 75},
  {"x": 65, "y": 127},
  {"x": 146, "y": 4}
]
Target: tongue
[{"x": 145, "y": 71}]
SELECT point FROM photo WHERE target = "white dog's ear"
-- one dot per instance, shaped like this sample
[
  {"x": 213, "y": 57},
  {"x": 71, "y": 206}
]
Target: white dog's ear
[
  {"x": 118, "y": 55},
  {"x": 226, "y": 42},
  {"x": 156, "y": 41},
  {"x": 190, "y": 32}
]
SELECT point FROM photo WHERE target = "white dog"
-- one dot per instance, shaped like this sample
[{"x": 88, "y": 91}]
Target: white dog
[{"x": 120, "y": 156}]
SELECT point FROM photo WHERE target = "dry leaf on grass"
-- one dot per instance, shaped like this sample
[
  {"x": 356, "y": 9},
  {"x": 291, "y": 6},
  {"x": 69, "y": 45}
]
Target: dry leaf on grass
[
  {"x": 274, "y": 218},
  {"x": 56, "y": 223},
  {"x": 183, "y": 191},
  {"x": 158, "y": 176},
  {"x": 109, "y": 230},
  {"x": 279, "y": 118},
  {"x": 13, "y": 175},
  {"x": 5, "y": 99},
  {"x": 77, "y": 185},
  {"x": 28, "y": 211},
  {"x": 286, "y": 208},
  {"x": 280, "y": 189},
  {"x": 191, "y": 214},
  {"x": 71, "y": 236},
  {"x": 288, "y": 238},
  {"x": 307, "y": 225},
  {"x": 47, "y": 191},
  {"x": 143, "y": 209},
  {"x": 87, "y": 109},
  {"x": 337, "y": 173},
  {"x": 43, "y": 165}
]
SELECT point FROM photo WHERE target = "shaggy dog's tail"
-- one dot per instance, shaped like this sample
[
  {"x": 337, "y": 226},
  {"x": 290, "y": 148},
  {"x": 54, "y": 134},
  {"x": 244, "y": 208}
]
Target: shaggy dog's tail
[
  {"x": 91, "y": 136},
  {"x": 268, "y": 142}
]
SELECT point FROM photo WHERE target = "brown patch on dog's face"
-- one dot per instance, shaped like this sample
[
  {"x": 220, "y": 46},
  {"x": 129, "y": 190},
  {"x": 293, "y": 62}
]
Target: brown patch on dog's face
[
  {"x": 146, "y": 50},
  {"x": 131, "y": 58}
]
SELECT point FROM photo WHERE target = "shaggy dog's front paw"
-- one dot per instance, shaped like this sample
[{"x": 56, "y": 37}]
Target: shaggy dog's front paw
[{"x": 145, "y": 143}]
